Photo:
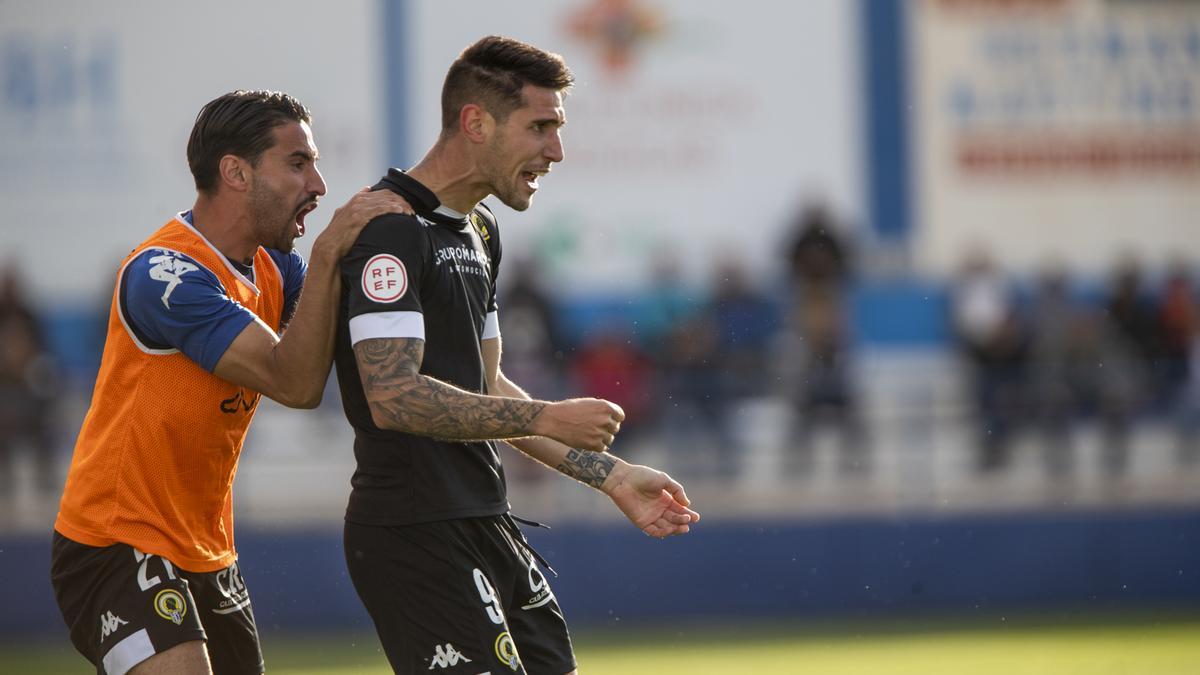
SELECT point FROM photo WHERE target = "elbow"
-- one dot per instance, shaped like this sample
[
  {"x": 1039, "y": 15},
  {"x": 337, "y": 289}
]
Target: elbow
[
  {"x": 308, "y": 403},
  {"x": 301, "y": 400},
  {"x": 383, "y": 421}
]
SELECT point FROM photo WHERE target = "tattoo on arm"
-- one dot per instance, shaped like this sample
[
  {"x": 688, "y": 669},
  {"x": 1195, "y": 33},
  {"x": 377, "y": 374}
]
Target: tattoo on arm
[
  {"x": 414, "y": 403},
  {"x": 590, "y": 468}
]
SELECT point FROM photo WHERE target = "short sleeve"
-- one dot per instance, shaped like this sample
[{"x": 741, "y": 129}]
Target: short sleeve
[
  {"x": 169, "y": 301},
  {"x": 382, "y": 274},
  {"x": 293, "y": 269}
]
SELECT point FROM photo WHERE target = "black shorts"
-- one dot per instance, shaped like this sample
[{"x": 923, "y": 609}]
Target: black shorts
[
  {"x": 458, "y": 596},
  {"x": 123, "y": 606}
]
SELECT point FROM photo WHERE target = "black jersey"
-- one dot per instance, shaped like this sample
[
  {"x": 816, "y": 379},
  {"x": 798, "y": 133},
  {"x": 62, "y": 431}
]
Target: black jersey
[{"x": 431, "y": 275}]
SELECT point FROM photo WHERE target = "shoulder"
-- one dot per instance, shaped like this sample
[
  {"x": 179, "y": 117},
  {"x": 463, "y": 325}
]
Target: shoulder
[
  {"x": 287, "y": 261},
  {"x": 156, "y": 267},
  {"x": 392, "y": 227},
  {"x": 160, "y": 280}
]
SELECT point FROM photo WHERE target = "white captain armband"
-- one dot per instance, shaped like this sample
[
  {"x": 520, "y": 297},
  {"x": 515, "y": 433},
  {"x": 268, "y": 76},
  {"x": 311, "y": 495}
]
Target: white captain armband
[
  {"x": 491, "y": 326},
  {"x": 387, "y": 325}
]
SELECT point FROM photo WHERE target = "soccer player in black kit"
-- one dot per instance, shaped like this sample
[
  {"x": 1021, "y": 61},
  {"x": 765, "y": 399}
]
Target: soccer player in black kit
[{"x": 441, "y": 566}]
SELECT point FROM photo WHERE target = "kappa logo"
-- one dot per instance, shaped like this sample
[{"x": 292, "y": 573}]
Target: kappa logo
[
  {"x": 109, "y": 623},
  {"x": 384, "y": 278},
  {"x": 169, "y": 268},
  {"x": 446, "y": 657}
]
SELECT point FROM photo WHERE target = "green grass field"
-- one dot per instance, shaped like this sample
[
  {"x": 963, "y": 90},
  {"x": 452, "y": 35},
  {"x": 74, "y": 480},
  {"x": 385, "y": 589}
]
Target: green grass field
[{"x": 1142, "y": 647}]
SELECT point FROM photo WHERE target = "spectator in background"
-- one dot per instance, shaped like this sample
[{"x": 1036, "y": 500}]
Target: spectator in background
[
  {"x": 817, "y": 340},
  {"x": 1178, "y": 323},
  {"x": 29, "y": 386},
  {"x": 1062, "y": 370},
  {"x": 533, "y": 343},
  {"x": 610, "y": 365},
  {"x": 693, "y": 412},
  {"x": 744, "y": 322},
  {"x": 1129, "y": 349},
  {"x": 1188, "y": 409},
  {"x": 666, "y": 304},
  {"x": 989, "y": 332}
]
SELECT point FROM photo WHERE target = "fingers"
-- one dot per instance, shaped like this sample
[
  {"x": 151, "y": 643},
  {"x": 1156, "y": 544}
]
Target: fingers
[
  {"x": 662, "y": 528},
  {"x": 676, "y": 491},
  {"x": 619, "y": 413}
]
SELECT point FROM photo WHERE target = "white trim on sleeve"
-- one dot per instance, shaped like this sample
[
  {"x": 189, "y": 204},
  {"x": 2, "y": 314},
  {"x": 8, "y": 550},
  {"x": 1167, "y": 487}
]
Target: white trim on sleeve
[
  {"x": 387, "y": 325},
  {"x": 491, "y": 326},
  {"x": 128, "y": 653}
]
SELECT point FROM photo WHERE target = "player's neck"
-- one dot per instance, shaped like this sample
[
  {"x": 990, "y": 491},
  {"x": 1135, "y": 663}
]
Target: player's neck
[
  {"x": 451, "y": 176},
  {"x": 227, "y": 228}
]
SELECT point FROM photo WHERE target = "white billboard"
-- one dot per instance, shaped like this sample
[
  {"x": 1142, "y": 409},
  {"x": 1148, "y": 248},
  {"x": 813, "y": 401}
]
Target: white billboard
[
  {"x": 99, "y": 98},
  {"x": 1065, "y": 129},
  {"x": 695, "y": 127}
]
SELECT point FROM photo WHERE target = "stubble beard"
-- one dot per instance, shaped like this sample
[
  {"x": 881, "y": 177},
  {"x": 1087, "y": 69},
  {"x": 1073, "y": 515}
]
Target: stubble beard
[
  {"x": 508, "y": 192},
  {"x": 274, "y": 219}
]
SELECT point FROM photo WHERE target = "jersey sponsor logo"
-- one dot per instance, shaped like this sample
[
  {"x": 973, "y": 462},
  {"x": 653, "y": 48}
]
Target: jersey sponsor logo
[
  {"x": 109, "y": 623},
  {"x": 169, "y": 268},
  {"x": 446, "y": 657},
  {"x": 239, "y": 401},
  {"x": 506, "y": 651},
  {"x": 170, "y": 605},
  {"x": 384, "y": 278},
  {"x": 459, "y": 255}
]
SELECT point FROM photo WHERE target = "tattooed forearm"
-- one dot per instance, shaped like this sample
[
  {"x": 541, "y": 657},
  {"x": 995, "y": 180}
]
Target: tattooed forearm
[
  {"x": 403, "y": 399},
  {"x": 590, "y": 468}
]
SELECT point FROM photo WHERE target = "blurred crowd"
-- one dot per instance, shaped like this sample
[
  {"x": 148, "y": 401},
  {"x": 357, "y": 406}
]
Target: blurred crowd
[
  {"x": 1049, "y": 354},
  {"x": 688, "y": 362},
  {"x": 29, "y": 391}
]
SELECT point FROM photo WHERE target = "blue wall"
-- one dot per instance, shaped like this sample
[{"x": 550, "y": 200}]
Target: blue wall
[{"x": 868, "y": 567}]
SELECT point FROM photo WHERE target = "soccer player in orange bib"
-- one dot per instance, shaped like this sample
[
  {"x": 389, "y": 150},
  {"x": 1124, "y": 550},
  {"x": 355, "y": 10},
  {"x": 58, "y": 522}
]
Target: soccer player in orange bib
[{"x": 143, "y": 561}]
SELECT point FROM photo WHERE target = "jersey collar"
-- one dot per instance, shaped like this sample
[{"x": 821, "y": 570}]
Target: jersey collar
[{"x": 423, "y": 200}]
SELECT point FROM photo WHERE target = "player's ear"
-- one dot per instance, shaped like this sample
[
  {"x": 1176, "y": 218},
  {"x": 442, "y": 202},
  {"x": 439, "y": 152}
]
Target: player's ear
[
  {"x": 235, "y": 173},
  {"x": 476, "y": 123}
]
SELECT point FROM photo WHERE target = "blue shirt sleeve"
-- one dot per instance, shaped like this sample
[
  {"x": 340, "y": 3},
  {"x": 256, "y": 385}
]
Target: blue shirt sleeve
[
  {"x": 293, "y": 268},
  {"x": 170, "y": 301}
]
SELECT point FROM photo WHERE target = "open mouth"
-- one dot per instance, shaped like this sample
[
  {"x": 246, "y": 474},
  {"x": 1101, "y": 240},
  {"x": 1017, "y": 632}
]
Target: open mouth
[
  {"x": 531, "y": 178},
  {"x": 300, "y": 214}
]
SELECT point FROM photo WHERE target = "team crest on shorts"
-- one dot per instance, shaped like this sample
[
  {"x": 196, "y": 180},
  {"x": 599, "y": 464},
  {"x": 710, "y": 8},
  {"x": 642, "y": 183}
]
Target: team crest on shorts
[
  {"x": 170, "y": 605},
  {"x": 384, "y": 278},
  {"x": 506, "y": 651}
]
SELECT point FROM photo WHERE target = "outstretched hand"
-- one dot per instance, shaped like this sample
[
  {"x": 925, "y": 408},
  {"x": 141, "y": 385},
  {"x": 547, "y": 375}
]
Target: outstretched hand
[{"x": 651, "y": 500}]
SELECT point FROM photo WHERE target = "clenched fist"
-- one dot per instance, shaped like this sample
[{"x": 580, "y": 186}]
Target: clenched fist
[{"x": 585, "y": 423}]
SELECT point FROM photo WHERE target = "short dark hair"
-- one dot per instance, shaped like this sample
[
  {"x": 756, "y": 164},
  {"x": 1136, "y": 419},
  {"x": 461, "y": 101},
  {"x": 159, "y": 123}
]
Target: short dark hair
[
  {"x": 239, "y": 123},
  {"x": 492, "y": 73}
]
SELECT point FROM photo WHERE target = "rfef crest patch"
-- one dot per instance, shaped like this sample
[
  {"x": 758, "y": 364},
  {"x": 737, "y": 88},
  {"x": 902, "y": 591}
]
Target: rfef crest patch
[{"x": 384, "y": 278}]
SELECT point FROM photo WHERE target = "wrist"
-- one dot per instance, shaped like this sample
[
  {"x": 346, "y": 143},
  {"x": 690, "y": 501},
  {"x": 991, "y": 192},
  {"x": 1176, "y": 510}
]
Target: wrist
[
  {"x": 321, "y": 259},
  {"x": 616, "y": 476},
  {"x": 539, "y": 424}
]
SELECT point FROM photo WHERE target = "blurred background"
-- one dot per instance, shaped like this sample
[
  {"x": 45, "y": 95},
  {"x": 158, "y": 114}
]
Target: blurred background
[{"x": 905, "y": 293}]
